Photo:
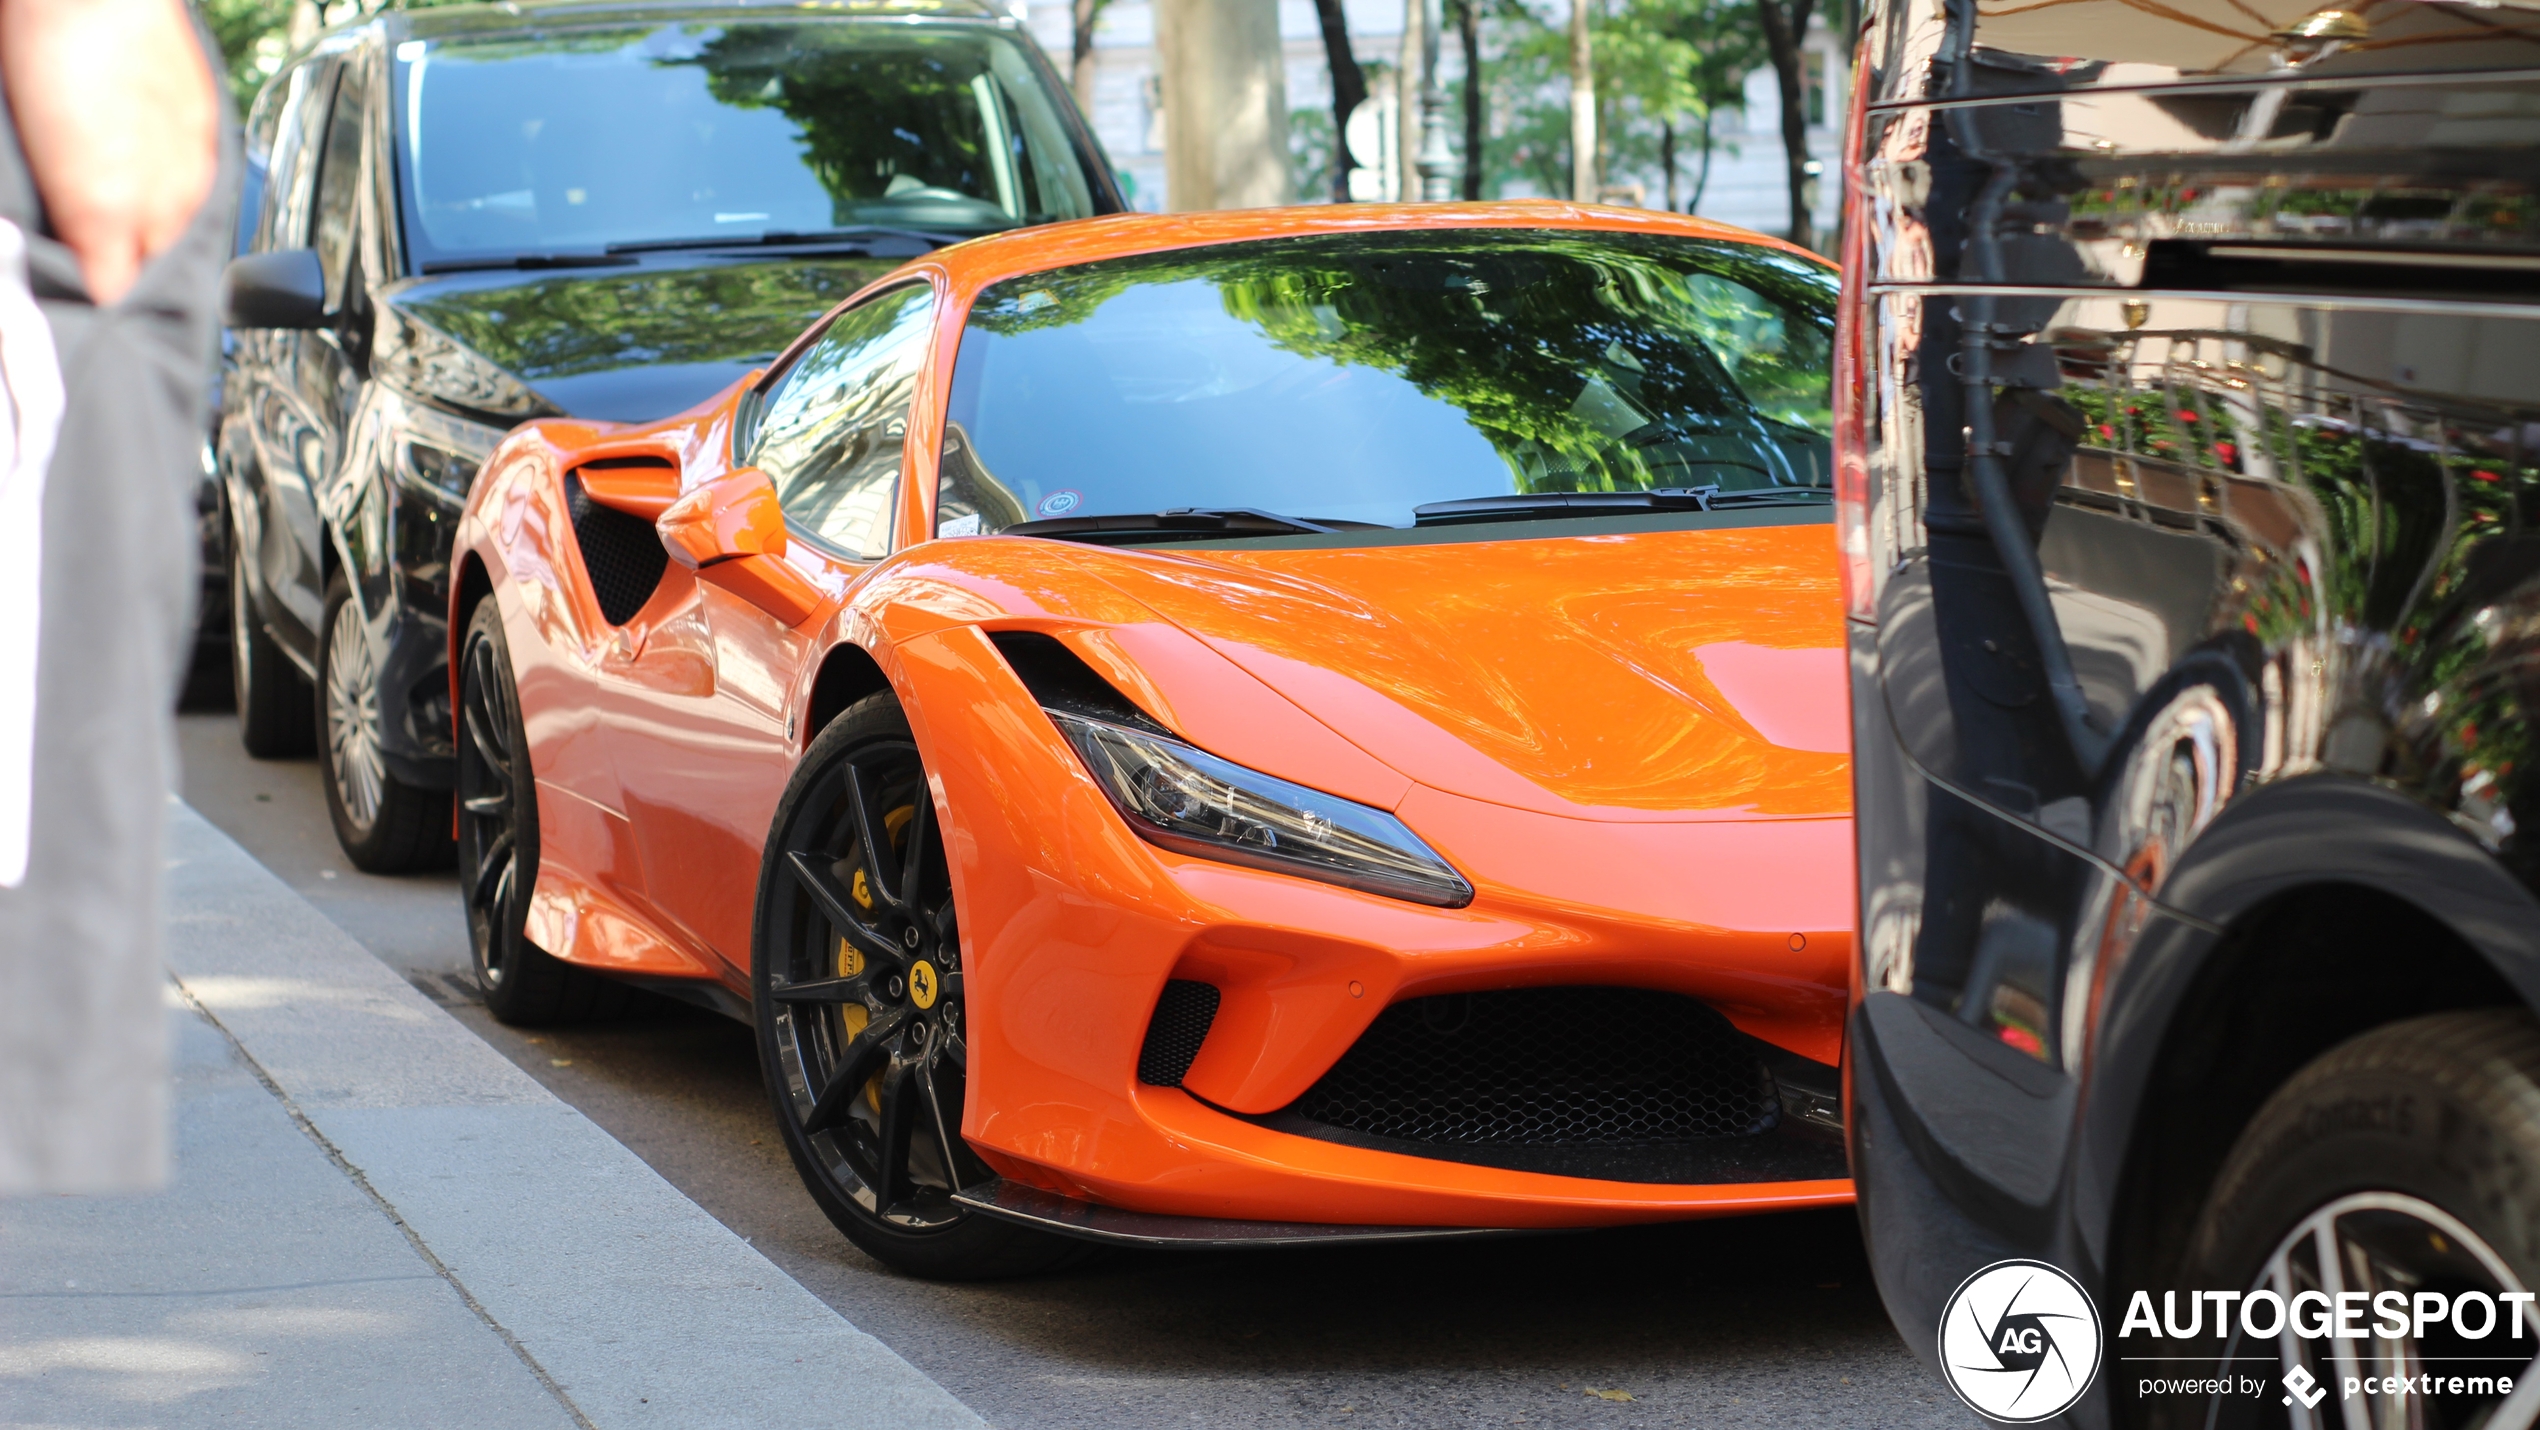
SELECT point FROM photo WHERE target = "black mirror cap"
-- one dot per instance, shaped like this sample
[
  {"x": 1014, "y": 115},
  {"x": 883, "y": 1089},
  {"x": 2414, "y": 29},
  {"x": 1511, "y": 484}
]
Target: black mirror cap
[{"x": 283, "y": 289}]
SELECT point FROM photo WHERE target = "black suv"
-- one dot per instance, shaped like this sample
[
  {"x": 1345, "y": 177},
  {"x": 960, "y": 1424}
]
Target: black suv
[
  {"x": 2188, "y": 459},
  {"x": 474, "y": 216}
]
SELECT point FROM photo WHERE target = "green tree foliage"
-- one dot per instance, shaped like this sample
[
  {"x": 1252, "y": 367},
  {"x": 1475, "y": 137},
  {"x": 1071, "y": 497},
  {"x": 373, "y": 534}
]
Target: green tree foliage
[
  {"x": 253, "y": 34},
  {"x": 1664, "y": 68}
]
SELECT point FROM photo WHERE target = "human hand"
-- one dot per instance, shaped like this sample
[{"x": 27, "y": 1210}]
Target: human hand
[{"x": 119, "y": 116}]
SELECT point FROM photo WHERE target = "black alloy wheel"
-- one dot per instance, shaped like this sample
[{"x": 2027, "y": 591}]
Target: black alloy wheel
[
  {"x": 498, "y": 848},
  {"x": 2405, "y": 1160},
  {"x": 858, "y": 983},
  {"x": 385, "y": 825},
  {"x": 277, "y": 711}
]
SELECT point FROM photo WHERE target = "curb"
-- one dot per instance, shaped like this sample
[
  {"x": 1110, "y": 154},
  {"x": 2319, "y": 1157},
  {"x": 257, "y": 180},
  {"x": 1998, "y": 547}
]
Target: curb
[{"x": 635, "y": 1306}]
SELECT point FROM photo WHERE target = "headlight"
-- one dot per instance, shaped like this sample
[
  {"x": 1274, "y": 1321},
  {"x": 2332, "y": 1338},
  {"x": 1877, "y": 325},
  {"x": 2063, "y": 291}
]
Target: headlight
[
  {"x": 432, "y": 453},
  {"x": 1191, "y": 801},
  {"x": 443, "y": 471},
  {"x": 417, "y": 358}
]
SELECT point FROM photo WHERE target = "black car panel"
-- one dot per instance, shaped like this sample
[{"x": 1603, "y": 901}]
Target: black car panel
[
  {"x": 2193, "y": 443},
  {"x": 633, "y": 344}
]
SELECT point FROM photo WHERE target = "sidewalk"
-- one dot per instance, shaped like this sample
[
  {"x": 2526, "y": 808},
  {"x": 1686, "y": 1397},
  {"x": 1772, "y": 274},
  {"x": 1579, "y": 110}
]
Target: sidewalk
[{"x": 377, "y": 1220}]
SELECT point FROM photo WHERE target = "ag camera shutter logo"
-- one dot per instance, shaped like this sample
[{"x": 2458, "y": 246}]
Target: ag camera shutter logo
[{"x": 2019, "y": 1341}]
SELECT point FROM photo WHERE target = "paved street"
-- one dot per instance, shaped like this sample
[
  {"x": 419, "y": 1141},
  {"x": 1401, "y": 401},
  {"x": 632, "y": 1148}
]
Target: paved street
[{"x": 1761, "y": 1322}]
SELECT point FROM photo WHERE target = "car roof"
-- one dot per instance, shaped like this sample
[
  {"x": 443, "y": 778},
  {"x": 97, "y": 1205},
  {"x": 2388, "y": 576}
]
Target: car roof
[
  {"x": 982, "y": 261},
  {"x": 458, "y": 21}
]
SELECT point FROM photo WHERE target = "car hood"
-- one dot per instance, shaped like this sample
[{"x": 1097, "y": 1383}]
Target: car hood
[
  {"x": 639, "y": 343},
  {"x": 1621, "y": 674}
]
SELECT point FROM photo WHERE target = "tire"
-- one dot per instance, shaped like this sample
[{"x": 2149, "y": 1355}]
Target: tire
[
  {"x": 523, "y": 985},
  {"x": 385, "y": 825},
  {"x": 845, "y": 946},
  {"x": 2414, "y": 1152},
  {"x": 277, "y": 708}
]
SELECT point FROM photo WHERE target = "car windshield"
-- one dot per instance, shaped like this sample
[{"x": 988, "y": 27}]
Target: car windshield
[
  {"x": 576, "y": 140},
  {"x": 1356, "y": 378}
]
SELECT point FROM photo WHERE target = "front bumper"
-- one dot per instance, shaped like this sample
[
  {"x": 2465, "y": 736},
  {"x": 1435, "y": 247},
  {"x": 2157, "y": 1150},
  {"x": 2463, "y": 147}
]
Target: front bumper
[{"x": 1073, "y": 927}]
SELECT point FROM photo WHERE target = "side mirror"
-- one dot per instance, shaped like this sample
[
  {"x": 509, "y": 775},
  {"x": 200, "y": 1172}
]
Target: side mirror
[
  {"x": 731, "y": 532},
  {"x": 733, "y": 516},
  {"x": 285, "y": 289}
]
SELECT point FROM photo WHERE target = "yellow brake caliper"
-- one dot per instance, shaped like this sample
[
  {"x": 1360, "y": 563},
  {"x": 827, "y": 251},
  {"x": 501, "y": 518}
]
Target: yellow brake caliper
[{"x": 851, "y": 962}]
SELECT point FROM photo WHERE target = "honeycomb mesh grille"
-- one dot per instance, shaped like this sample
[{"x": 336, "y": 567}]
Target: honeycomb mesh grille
[
  {"x": 623, "y": 553},
  {"x": 1180, "y": 1025},
  {"x": 1546, "y": 1067}
]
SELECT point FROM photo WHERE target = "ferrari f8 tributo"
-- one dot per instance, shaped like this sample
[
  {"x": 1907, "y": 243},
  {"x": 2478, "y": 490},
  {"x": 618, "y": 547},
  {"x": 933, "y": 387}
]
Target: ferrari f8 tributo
[{"x": 1258, "y": 727}]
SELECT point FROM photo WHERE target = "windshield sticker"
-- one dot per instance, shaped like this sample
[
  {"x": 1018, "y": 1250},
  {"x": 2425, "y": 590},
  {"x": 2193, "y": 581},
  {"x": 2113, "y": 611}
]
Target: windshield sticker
[{"x": 1060, "y": 503}]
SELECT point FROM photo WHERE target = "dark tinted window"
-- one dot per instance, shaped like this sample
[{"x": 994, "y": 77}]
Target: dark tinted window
[
  {"x": 830, "y": 432},
  {"x": 300, "y": 98},
  {"x": 582, "y": 138},
  {"x": 339, "y": 184},
  {"x": 1355, "y": 378}
]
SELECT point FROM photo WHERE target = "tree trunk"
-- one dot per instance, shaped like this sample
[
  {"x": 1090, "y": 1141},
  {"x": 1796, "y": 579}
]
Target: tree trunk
[
  {"x": 1667, "y": 158},
  {"x": 1468, "y": 24},
  {"x": 1225, "y": 105},
  {"x": 1349, "y": 90},
  {"x": 1702, "y": 177},
  {"x": 1785, "y": 26},
  {"x": 1080, "y": 72},
  {"x": 1406, "y": 106},
  {"x": 1583, "y": 106}
]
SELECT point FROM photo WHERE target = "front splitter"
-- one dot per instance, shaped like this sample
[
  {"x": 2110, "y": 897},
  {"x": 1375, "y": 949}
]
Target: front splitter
[{"x": 1013, "y": 1201}]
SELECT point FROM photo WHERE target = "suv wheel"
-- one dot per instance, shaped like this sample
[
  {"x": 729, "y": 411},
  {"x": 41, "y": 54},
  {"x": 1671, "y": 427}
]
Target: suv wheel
[
  {"x": 2406, "y": 1160},
  {"x": 385, "y": 825},
  {"x": 275, "y": 705}
]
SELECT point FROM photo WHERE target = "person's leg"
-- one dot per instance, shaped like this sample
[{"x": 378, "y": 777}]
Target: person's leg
[{"x": 83, "y": 1056}]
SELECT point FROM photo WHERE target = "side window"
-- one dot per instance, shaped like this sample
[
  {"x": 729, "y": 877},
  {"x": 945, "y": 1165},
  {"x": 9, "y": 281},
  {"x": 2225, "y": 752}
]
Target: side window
[
  {"x": 301, "y": 123},
  {"x": 830, "y": 432},
  {"x": 263, "y": 122},
  {"x": 339, "y": 184}
]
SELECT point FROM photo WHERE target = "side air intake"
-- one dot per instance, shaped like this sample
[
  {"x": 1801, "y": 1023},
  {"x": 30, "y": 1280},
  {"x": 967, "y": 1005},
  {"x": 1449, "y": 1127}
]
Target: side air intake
[
  {"x": 623, "y": 553},
  {"x": 1181, "y": 1023}
]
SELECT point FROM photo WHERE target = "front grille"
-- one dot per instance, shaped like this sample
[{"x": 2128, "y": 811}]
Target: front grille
[
  {"x": 1180, "y": 1025},
  {"x": 1546, "y": 1067},
  {"x": 623, "y": 553}
]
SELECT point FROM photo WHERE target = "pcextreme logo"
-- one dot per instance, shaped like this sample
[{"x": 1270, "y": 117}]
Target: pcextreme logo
[{"x": 2019, "y": 1341}]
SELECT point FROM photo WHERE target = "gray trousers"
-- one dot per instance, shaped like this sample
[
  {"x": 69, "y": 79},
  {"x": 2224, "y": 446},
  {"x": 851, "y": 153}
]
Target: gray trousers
[{"x": 83, "y": 1031}]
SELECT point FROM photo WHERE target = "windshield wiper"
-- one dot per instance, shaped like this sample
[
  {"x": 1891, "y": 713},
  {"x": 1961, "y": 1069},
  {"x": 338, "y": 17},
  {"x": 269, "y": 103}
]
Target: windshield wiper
[
  {"x": 1577, "y": 504},
  {"x": 1774, "y": 496},
  {"x": 529, "y": 261},
  {"x": 1201, "y": 521},
  {"x": 862, "y": 239}
]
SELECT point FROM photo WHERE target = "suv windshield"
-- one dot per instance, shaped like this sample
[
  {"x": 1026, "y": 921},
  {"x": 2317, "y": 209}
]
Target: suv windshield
[
  {"x": 1355, "y": 378},
  {"x": 581, "y": 139}
]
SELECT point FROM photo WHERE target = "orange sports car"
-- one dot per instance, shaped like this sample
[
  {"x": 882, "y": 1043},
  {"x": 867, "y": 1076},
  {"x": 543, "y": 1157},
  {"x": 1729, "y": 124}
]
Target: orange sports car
[{"x": 1245, "y": 728}]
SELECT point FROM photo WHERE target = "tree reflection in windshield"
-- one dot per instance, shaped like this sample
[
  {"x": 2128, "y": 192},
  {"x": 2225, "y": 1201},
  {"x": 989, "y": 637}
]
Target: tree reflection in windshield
[
  {"x": 1355, "y": 378},
  {"x": 581, "y": 139},
  {"x": 935, "y": 132}
]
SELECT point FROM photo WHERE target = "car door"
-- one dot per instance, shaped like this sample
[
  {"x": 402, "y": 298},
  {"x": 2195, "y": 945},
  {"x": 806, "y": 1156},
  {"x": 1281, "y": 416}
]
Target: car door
[
  {"x": 710, "y": 735},
  {"x": 325, "y": 376},
  {"x": 273, "y": 508}
]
